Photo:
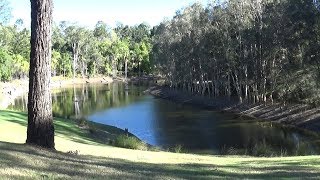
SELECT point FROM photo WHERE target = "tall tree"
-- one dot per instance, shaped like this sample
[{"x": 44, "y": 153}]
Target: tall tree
[
  {"x": 76, "y": 37},
  {"x": 40, "y": 121}
]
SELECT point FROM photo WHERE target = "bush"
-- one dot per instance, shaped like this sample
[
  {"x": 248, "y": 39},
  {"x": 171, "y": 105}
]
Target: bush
[
  {"x": 5, "y": 66},
  {"x": 177, "y": 148},
  {"x": 130, "y": 142},
  {"x": 83, "y": 122},
  {"x": 262, "y": 150},
  {"x": 303, "y": 149},
  {"x": 92, "y": 129},
  {"x": 155, "y": 149}
]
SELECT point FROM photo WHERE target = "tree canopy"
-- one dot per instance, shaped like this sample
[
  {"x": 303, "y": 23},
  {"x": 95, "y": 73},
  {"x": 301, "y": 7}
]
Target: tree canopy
[{"x": 256, "y": 51}]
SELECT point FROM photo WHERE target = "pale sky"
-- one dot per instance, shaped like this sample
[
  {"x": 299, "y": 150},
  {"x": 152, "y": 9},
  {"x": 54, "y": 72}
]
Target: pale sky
[{"x": 88, "y": 12}]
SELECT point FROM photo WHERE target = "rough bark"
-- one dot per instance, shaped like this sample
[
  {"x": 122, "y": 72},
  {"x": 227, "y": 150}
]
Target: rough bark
[{"x": 40, "y": 121}]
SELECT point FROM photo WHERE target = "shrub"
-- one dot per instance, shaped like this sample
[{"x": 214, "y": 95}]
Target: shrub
[
  {"x": 130, "y": 142},
  {"x": 303, "y": 149},
  {"x": 263, "y": 149},
  {"x": 83, "y": 122},
  {"x": 178, "y": 148},
  {"x": 92, "y": 129},
  {"x": 155, "y": 149}
]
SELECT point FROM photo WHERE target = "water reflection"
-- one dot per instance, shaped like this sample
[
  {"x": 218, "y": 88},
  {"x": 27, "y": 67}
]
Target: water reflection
[
  {"x": 167, "y": 124},
  {"x": 82, "y": 100}
]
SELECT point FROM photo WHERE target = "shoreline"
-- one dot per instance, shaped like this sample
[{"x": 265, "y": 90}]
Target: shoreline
[
  {"x": 9, "y": 91},
  {"x": 299, "y": 116}
]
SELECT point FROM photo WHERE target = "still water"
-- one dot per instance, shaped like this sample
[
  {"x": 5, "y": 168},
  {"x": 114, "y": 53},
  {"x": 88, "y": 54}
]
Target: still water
[{"x": 167, "y": 124}]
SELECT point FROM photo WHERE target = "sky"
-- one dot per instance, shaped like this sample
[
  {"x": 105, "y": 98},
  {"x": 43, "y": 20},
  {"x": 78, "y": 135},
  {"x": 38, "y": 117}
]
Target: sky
[{"x": 89, "y": 12}]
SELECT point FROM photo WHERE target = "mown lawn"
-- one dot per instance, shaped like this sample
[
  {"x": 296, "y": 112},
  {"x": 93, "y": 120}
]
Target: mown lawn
[{"x": 96, "y": 160}]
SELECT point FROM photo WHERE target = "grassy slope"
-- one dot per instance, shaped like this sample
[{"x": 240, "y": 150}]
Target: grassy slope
[{"x": 104, "y": 162}]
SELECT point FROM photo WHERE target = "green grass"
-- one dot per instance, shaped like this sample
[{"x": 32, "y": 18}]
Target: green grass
[
  {"x": 130, "y": 142},
  {"x": 66, "y": 129},
  {"x": 96, "y": 160}
]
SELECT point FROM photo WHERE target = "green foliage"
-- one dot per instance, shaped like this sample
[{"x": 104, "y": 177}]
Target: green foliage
[
  {"x": 65, "y": 65},
  {"x": 55, "y": 59},
  {"x": 5, "y": 65},
  {"x": 255, "y": 51},
  {"x": 303, "y": 149},
  {"x": 108, "y": 69},
  {"x": 92, "y": 68},
  {"x": 83, "y": 122},
  {"x": 21, "y": 66},
  {"x": 129, "y": 142},
  {"x": 93, "y": 129},
  {"x": 178, "y": 148},
  {"x": 262, "y": 149},
  {"x": 79, "y": 50}
]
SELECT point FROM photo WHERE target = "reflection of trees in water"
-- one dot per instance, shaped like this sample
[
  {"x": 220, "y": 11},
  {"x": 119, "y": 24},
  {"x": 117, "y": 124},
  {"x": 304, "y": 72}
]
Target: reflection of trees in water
[
  {"x": 76, "y": 103},
  {"x": 175, "y": 124},
  {"x": 86, "y": 99},
  {"x": 20, "y": 104},
  {"x": 83, "y": 100},
  {"x": 207, "y": 131}
]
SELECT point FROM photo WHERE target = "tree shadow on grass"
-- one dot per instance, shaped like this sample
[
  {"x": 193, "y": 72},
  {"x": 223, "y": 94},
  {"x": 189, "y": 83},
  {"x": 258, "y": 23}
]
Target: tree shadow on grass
[
  {"x": 66, "y": 129},
  {"x": 39, "y": 163}
]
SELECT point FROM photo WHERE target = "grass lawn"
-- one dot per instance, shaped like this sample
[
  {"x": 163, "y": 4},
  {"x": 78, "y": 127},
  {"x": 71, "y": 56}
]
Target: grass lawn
[{"x": 100, "y": 161}]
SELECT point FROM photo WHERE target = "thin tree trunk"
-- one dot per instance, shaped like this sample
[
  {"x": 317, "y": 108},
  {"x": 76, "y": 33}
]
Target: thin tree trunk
[
  {"x": 246, "y": 83},
  {"x": 75, "y": 58},
  {"x": 139, "y": 69},
  {"x": 126, "y": 69},
  {"x": 40, "y": 121}
]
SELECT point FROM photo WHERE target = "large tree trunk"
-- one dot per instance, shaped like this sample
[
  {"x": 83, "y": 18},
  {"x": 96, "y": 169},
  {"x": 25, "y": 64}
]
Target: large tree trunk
[{"x": 40, "y": 122}]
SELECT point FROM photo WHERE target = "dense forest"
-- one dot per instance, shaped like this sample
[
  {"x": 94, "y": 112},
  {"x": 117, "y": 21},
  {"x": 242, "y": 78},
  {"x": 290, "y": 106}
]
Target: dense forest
[
  {"x": 254, "y": 50},
  {"x": 79, "y": 51},
  {"x": 251, "y": 50}
]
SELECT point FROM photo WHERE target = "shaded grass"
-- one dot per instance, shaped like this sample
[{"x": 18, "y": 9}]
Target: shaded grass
[
  {"x": 95, "y": 134},
  {"x": 26, "y": 162},
  {"x": 99, "y": 161}
]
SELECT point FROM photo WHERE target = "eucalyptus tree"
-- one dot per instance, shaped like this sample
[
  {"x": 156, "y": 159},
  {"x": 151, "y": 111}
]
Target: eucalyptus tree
[
  {"x": 140, "y": 32},
  {"x": 40, "y": 130},
  {"x": 6, "y": 64},
  {"x": 124, "y": 50},
  {"x": 246, "y": 49},
  {"x": 87, "y": 51},
  {"x": 15, "y": 42},
  {"x": 20, "y": 66},
  {"x": 7, "y": 34},
  {"x": 109, "y": 51},
  {"x": 76, "y": 38},
  {"x": 55, "y": 59},
  {"x": 101, "y": 31},
  {"x": 141, "y": 53}
]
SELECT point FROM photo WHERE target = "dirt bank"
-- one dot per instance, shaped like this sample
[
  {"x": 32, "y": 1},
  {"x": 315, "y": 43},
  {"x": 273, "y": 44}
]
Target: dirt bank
[
  {"x": 298, "y": 115},
  {"x": 11, "y": 90}
]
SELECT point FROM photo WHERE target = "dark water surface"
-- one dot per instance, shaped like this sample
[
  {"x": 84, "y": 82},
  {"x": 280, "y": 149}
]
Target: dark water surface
[{"x": 167, "y": 124}]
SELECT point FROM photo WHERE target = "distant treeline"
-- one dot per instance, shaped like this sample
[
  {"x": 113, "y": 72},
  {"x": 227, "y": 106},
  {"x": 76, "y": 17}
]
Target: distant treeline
[
  {"x": 254, "y": 50},
  {"x": 79, "y": 51}
]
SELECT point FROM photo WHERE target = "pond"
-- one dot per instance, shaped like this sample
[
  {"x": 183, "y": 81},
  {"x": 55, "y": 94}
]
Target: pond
[{"x": 168, "y": 125}]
